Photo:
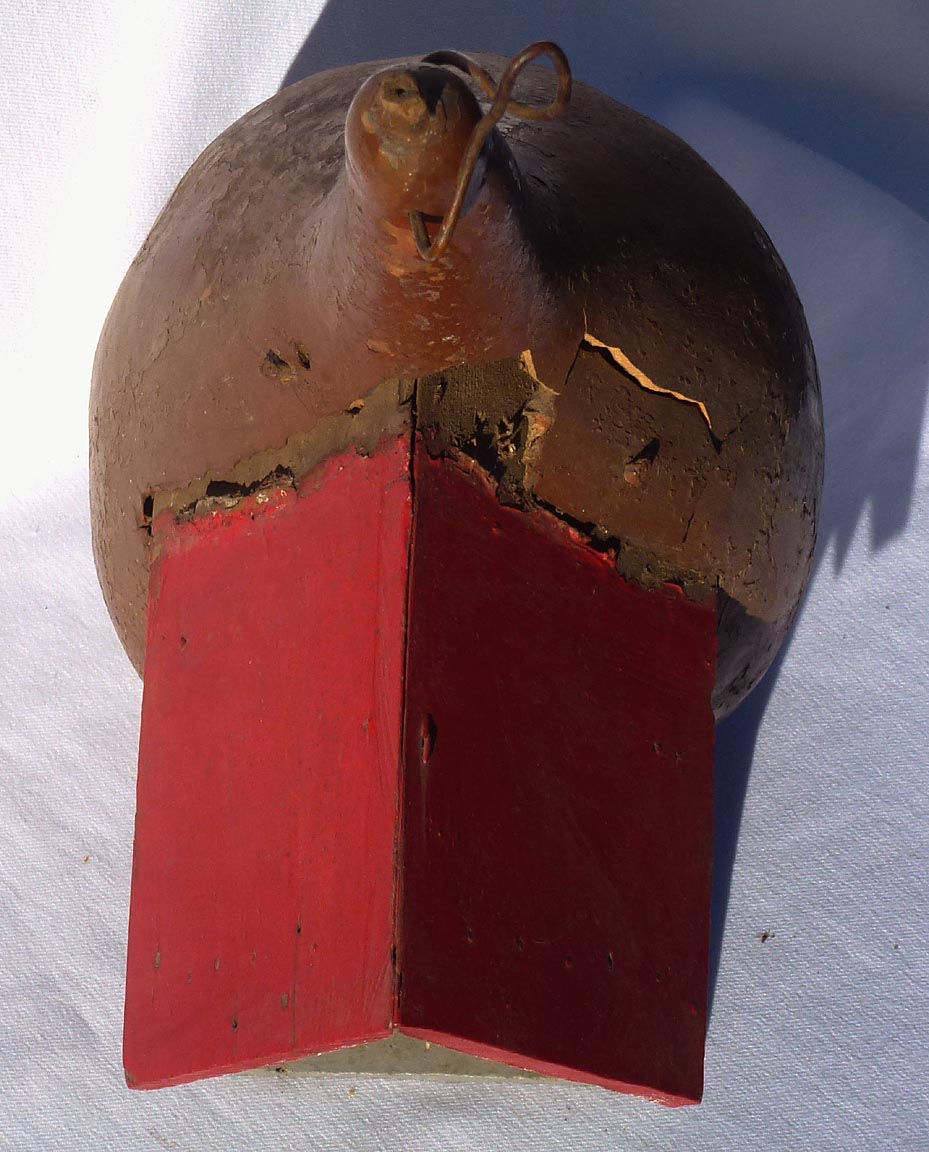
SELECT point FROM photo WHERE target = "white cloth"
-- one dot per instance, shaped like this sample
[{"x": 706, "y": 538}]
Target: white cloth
[{"x": 818, "y": 114}]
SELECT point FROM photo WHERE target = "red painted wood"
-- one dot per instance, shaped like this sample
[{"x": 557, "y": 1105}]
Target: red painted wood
[
  {"x": 261, "y": 924},
  {"x": 557, "y": 818}
]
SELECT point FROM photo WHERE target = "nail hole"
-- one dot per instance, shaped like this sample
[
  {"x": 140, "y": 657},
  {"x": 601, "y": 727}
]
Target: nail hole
[
  {"x": 636, "y": 468},
  {"x": 427, "y": 738}
]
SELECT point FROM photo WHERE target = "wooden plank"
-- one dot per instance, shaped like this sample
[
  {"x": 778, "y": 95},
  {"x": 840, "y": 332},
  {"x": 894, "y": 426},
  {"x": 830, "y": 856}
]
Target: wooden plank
[
  {"x": 261, "y": 925},
  {"x": 556, "y": 831},
  {"x": 557, "y": 817}
]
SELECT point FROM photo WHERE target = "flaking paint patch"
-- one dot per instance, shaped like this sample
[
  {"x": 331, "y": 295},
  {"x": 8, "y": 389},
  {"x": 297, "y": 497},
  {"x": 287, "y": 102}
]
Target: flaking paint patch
[
  {"x": 622, "y": 361},
  {"x": 496, "y": 413}
]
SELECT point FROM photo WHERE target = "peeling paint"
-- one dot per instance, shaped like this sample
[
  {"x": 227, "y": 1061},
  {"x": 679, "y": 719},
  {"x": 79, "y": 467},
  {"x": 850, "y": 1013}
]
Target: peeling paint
[
  {"x": 622, "y": 361},
  {"x": 498, "y": 414}
]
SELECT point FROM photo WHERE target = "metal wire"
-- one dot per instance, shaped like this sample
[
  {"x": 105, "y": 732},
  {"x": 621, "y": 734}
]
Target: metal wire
[{"x": 500, "y": 95}]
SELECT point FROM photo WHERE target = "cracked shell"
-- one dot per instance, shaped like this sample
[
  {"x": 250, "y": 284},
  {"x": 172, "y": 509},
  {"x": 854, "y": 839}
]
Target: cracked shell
[{"x": 280, "y": 288}]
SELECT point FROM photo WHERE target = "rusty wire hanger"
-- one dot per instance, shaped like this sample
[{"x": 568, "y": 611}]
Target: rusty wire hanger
[{"x": 500, "y": 95}]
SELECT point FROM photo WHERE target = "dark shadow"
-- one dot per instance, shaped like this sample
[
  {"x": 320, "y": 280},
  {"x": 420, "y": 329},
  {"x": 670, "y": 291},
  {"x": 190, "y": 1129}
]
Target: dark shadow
[
  {"x": 861, "y": 264},
  {"x": 735, "y": 749},
  {"x": 858, "y": 250},
  {"x": 885, "y": 145},
  {"x": 352, "y": 31},
  {"x": 874, "y": 359}
]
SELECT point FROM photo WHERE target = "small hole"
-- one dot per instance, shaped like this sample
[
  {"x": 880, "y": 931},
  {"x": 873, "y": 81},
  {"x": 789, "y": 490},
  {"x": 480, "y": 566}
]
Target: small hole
[
  {"x": 225, "y": 488},
  {"x": 609, "y": 962},
  {"x": 235, "y": 1023},
  {"x": 648, "y": 453},
  {"x": 148, "y": 507},
  {"x": 274, "y": 359},
  {"x": 427, "y": 738},
  {"x": 183, "y": 643},
  {"x": 304, "y": 357},
  {"x": 469, "y": 935}
]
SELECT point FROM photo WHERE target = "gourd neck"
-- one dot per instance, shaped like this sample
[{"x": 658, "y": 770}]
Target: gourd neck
[{"x": 485, "y": 297}]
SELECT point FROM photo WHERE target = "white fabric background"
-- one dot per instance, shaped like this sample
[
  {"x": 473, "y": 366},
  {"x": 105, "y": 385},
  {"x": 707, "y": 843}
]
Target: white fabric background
[{"x": 818, "y": 114}]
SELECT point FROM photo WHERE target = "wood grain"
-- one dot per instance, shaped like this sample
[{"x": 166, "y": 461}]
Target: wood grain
[
  {"x": 261, "y": 924},
  {"x": 557, "y": 836}
]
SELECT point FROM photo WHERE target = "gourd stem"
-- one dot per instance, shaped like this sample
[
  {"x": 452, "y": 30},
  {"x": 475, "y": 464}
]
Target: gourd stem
[{"x": 500, "y": 94}]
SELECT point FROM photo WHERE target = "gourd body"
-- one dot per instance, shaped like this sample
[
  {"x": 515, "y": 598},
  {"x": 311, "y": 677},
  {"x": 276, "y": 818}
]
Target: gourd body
[{"x": 278, "y": 289}]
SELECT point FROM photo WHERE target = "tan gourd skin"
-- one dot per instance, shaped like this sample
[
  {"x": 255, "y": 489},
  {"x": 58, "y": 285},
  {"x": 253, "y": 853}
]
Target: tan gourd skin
[{"x": 280, "y": 285}]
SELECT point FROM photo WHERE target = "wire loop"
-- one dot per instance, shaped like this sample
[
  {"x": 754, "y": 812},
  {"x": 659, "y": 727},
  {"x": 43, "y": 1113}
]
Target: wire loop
[{"x": 500, "y": 95}]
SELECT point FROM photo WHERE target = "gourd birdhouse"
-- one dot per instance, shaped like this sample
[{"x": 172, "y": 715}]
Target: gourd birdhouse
[{"x": 455, "y": 454}]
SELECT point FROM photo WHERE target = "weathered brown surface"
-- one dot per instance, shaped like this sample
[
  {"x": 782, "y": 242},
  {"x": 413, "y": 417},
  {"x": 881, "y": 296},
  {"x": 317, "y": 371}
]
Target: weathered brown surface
[{"x": 278, "y": 288}]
